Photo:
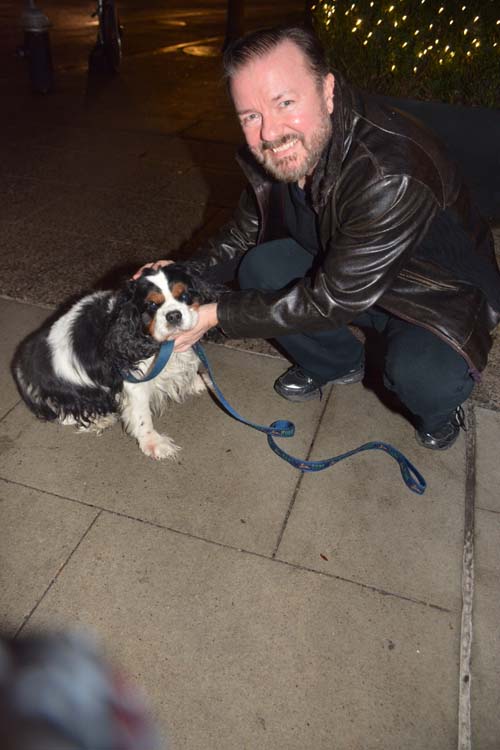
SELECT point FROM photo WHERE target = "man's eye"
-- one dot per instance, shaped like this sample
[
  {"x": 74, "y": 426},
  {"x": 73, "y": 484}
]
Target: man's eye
[
  {"x": 286, "y": 102},
  {"x": 250, "y": 119}
]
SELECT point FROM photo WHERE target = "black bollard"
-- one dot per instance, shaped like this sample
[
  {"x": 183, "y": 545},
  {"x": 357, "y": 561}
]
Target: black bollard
[{"x": 37, "y": 48}]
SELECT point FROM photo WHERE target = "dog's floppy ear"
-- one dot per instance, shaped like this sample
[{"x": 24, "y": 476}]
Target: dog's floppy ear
[
  {"x": 202, "y": 291},
  {"x": 126, "y": 338},
  {"x": 128, "y": 292}
]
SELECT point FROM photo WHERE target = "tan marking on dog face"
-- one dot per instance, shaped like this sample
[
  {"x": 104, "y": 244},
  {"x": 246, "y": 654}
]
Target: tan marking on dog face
[
  {"x": 178, "y": 289},
  {"x": 158, "y": 299}
]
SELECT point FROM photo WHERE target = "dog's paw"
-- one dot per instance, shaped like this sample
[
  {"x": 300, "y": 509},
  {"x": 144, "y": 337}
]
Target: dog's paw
[
  {"x": 68, "y": 421},
  {"x": 100, "y": 424},
  {"x": 199, "y": 385},
  {"x": 159, "y": 446}
]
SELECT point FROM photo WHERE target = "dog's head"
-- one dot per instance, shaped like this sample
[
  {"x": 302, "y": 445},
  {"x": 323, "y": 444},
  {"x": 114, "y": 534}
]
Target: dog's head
[
  {"x": 151, "y": 308},
  {"x": 165, "y": 301}
]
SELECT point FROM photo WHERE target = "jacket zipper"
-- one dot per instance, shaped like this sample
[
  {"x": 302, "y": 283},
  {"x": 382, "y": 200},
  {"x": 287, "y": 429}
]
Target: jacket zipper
[{"x": 424, "y": 281}]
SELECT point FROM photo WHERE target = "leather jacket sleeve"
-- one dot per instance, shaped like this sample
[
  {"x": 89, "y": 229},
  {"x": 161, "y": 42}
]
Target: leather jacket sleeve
[{"x": 367, "y": 230}]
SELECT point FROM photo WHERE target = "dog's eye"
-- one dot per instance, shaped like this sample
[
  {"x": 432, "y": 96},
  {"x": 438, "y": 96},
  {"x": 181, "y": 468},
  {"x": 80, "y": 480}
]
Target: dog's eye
[
  {"x": 185, "y": 297},
  {"x": 152, "y": 307}
]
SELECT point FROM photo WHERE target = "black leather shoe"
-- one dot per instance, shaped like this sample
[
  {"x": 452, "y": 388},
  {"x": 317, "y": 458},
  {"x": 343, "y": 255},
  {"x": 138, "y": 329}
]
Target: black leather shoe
[
  {"x": 295, "y": 385},
  {"x": 445, "y": 436}
]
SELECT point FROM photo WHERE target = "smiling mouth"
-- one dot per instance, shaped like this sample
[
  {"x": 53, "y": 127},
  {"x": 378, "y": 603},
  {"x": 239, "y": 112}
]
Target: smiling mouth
[{"x": 284, "y": 146}]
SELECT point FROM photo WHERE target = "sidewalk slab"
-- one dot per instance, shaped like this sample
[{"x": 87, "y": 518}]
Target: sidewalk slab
[
  {"x": 16, "y": 322},
  {"x": 362, "y": 518},
  {"x": 38, "y": 532},
  {"x": 487, "y": 466},
  {"x": 227, "y": 484},
  {"x": 485, "y": 684},
  {"x": 238, "y": 651}
]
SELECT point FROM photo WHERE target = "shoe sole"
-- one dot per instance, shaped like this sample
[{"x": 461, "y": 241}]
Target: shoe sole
[
  {"x": 297, "y": 399},
  {"x": 436, "y": 447},
  {"x": 356, "y": 377},
  {"x": 346, "y": 380}
]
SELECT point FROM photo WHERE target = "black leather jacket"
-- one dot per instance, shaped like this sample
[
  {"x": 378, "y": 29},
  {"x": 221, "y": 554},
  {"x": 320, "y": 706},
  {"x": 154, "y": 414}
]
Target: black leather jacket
[{"x": 397, "y": 229}]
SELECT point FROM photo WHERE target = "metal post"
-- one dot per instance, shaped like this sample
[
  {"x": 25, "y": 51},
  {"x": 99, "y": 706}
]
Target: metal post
[{"x": 37, "y": 48}]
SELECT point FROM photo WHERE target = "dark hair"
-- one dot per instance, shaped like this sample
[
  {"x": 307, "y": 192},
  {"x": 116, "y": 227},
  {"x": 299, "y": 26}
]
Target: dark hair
[{"x": 259, "y": 43}]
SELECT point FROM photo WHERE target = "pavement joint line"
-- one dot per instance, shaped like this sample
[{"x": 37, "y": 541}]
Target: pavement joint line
[
  {"x": 4, "y": 416},
  {"x": 235, "y": 348},
  {"x": 487, "y": 510},
  {"x": 466, "y": 628},
  {"x": 300, "y": 479},
  {"x": 54, "y": 579},
  {"x": 233, "y": 548}
]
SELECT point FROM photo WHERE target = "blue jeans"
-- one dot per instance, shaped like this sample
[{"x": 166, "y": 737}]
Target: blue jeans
[{"x": 429, "y": 377}]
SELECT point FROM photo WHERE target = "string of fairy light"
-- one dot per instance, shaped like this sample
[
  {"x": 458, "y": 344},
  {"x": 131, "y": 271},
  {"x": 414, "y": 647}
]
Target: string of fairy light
[{"x": 453, "y": 28}]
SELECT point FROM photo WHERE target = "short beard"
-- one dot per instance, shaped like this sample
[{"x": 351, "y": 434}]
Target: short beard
[{"x": 285, "y": 170}]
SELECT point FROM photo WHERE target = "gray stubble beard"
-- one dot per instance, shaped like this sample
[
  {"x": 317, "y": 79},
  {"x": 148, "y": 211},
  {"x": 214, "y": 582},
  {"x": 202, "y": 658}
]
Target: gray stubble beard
[{"x": 280, "y": 169}]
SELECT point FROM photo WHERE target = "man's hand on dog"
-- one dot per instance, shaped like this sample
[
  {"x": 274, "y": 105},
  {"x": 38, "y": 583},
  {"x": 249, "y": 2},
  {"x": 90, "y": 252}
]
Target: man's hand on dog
[
  {"x": 207, "y": 315},
  {"x": 207, "y": 319},
  {"x": 155, "y": 266}
]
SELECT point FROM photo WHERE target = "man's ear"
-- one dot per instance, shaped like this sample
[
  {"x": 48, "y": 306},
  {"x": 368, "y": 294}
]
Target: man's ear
[{"x": 328, "y": 89}]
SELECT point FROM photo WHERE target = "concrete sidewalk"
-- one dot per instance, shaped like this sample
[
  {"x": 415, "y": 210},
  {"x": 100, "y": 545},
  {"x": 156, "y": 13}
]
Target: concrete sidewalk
[{"x": 258, "y": 607}]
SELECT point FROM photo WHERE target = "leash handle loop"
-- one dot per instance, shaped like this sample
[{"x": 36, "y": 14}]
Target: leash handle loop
[{"x": 411, "y": 476}]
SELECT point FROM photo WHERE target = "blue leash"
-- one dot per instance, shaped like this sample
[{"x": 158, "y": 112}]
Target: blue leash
[
  {"x": 161, "y": 360},
  {"x": 283, "y": 428}
]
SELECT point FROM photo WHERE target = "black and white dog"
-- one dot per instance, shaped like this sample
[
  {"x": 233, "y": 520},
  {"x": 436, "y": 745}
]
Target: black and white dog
[{"x": 72, "y": 369}]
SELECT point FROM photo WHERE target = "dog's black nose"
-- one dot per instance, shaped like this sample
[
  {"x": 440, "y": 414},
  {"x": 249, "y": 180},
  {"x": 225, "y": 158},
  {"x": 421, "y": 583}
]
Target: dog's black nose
[{"x": 173, "y": 317}]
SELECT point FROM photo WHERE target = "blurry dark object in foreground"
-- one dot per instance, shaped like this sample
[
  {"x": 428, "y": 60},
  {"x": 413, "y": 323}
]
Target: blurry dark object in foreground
[{"x": 58, "y": 692}]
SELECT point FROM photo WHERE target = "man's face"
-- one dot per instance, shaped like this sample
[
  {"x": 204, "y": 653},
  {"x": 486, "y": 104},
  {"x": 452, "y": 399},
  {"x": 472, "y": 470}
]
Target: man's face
[{"x": 284, "y": 113}]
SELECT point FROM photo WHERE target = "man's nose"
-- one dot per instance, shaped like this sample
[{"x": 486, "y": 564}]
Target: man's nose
[{"x": 270, "y": 128}]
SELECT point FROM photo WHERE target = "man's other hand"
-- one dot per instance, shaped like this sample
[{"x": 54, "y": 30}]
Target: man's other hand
[{"x": 155, "y": 266}]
